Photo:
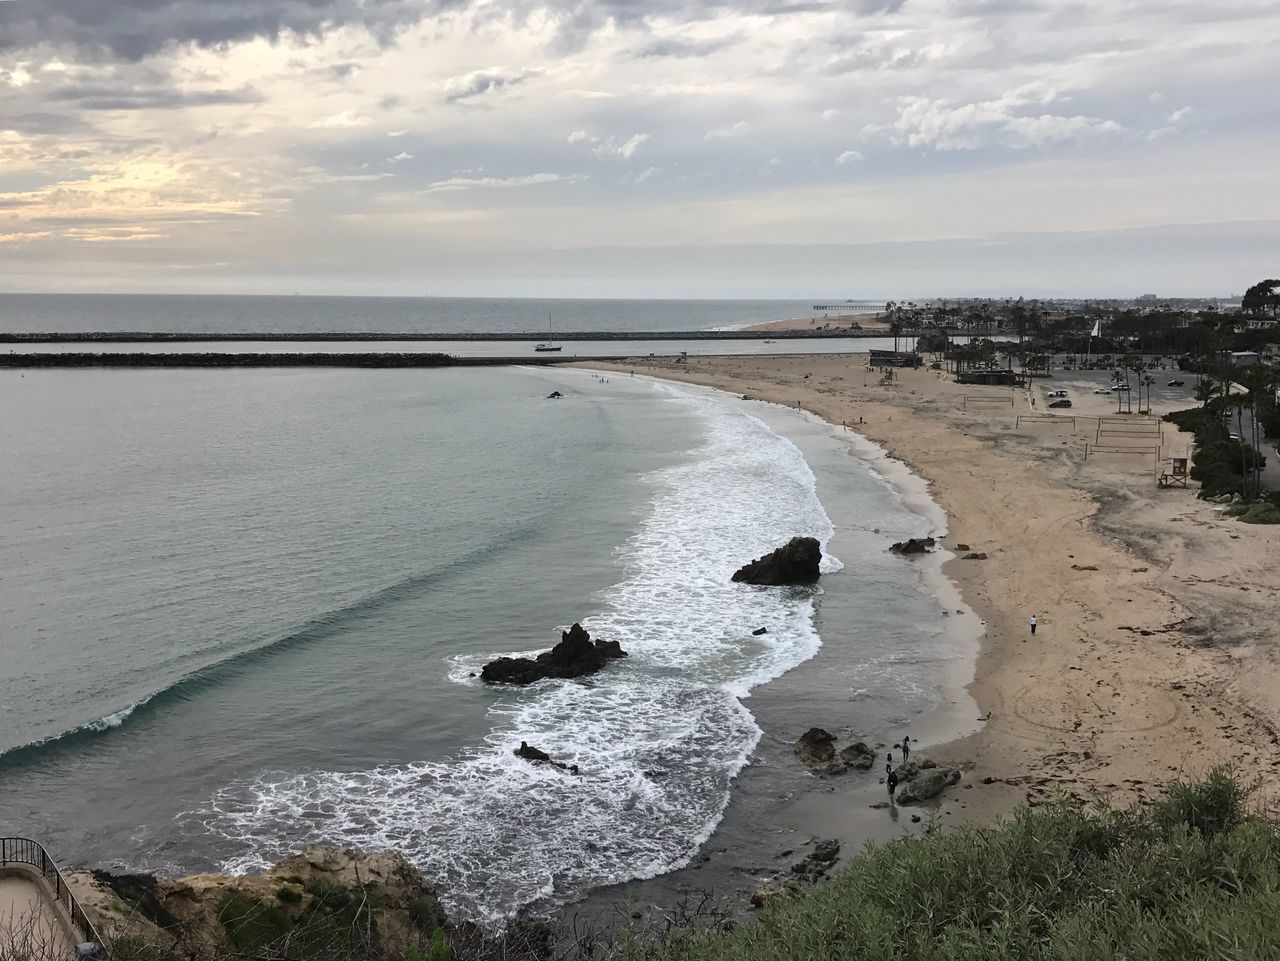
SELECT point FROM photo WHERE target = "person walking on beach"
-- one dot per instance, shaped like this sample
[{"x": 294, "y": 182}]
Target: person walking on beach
[
  {"x": 1032, "y": 622},
  {"x": 892, "y": 781},
  {"x": 888, "y": 763},
  {"x": 906, "y": 747}
]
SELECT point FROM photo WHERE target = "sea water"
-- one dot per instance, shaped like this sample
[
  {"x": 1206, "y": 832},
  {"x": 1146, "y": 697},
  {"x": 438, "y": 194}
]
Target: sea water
[{"x": 242, "y": 610}]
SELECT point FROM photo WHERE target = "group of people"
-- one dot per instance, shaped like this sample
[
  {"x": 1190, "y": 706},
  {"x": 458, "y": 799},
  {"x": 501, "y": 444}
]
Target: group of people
[{"x": 891, "y": 776}]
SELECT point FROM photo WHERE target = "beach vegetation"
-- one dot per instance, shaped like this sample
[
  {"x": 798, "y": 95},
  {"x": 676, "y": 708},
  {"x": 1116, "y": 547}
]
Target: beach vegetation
[
  {"x": 250, "y": 922},
  {"x": 1194, "y": 875}
]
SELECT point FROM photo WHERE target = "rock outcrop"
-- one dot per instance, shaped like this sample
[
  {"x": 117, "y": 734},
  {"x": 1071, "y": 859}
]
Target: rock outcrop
[
  {"x": 535, "y": 756},
  {"x": 914, "y": 545},
  {"x": 575, "y": 656},
  {"x": 794, "y": 563},
  {"x": 817, "y": 749},
  {"x": 212, "y": 915},
  {"x": 924, "y": 783}
]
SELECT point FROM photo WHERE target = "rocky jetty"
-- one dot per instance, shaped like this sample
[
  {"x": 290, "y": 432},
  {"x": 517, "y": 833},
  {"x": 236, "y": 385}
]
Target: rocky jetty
[
  {"x": 576, "y": 655},
  {"x": 794, "y": 563},
  {"x": 914, "y": 545},
  {"x": 817, "y": 749}
]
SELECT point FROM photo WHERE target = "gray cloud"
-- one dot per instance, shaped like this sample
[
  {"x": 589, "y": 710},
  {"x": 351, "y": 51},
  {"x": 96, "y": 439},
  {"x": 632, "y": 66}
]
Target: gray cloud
[
  {"x": 480, "y": 82},
  {"x": 680, "y": 48},
  {"x": 39, "y": 123},
  {"x": 131, "y": 30},
  {"x": 100, "y": 97}
]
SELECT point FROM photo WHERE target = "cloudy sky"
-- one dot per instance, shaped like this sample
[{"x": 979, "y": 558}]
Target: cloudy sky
[{"x": 788, "y": 148}]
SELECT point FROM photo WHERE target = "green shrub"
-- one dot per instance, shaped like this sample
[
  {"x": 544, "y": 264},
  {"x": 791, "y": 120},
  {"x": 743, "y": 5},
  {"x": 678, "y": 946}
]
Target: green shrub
[
  {"x": 250, "y": 923},
  {"x": 1261, "y": 513},
  {"x": 289, "y": 895},
  {"x": 1190, "y": 877}
]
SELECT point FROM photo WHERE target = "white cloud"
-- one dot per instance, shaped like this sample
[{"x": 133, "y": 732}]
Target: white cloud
[
  {"x": 396, "y": 133},
  {"x": 647, "y": 174},
  {"x": 943, "y": 125},
  {"x": 1179, "y": 115},
  {"x": 729, "y": 131},
  {"x": 830, "y": 113},
  {"x": 848, "y": 157},
  {"x": 401, "y": 157},
  {"x": 500, "y": 183},
  {"x": 611, "y": 146}
]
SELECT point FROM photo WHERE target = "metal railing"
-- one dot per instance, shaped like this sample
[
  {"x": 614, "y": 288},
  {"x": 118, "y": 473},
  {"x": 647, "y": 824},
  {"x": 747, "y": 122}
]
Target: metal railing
[{"x": 32, "y": 853}]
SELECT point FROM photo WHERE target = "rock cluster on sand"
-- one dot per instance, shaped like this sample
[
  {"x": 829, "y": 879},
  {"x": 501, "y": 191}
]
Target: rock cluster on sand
[
  {"x": 795, "y": 562},
  {"x": 810, "y": 869},
  {"x": 914, "y": 545},
  {"x": 922, "y": 780},
  {"x": 817, "y": 749},
  {"x": 574, "y": 656}
]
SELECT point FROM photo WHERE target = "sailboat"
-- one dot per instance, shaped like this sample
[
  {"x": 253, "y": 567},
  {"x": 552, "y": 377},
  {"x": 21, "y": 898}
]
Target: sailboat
[{"x": 550, "y": 345}]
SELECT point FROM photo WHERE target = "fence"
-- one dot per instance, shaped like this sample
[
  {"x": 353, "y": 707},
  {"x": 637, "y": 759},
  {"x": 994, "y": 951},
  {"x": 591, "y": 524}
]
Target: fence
[{"x": 32, "y": 853}]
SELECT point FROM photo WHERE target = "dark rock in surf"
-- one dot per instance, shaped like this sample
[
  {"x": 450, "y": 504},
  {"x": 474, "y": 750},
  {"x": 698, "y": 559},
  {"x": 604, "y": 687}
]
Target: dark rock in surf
[
  {"x": 914, "y": 545},
  {"x": 576, "y": 655},
  {"x": 530, "y": 753},
  {"x": 758, "y": 631},
  {"x": 554, "y": 395},
  {"x": 858, "y": 756},
  {"x": 816, "y": 747},
  {"x": 796, "y": 562}
]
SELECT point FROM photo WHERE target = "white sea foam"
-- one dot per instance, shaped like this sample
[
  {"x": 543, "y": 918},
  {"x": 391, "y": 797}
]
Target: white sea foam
[{"x": 658, "y": 737}]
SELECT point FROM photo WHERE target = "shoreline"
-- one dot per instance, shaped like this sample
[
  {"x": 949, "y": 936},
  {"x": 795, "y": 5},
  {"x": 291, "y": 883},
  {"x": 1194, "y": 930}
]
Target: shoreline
[
  {"x": 1153, "y": 660},
  {"x": 760, "y": 830}
]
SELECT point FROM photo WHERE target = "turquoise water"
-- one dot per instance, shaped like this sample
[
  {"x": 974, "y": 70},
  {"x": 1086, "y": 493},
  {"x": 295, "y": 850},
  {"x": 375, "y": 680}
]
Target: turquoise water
[{"x": 240, "y": 610}]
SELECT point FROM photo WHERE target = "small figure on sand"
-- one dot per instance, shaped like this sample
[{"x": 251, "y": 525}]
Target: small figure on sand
[
  {"x": 888, "y": 763},
  {"x": 892, "y": 781},
  {"x": 906, "y": 747},
  {"x": 1032, "y": 622}
]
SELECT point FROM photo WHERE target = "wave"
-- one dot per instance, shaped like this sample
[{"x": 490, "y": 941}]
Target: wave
[
  {"x": 322, "y": 627},
  {"x": 658, "y": 738}
]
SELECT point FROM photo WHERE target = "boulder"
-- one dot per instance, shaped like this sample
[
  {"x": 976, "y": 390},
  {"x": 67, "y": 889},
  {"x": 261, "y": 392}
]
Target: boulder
[
  {"x": 758, "y": 631},
  {"x": 977, "y": 556},
  {"x": 770, "y": 892},
  {"x": 914, "y": 545},
  {"x": 857, "y": 755},
  {"x": 816, "y": 747},
  {"x": 962, "y": 547},
  {"x": 530, "y": 753},
  {"x": 575, "y": 656},
  {"x": 554, "y": 395},
  {"x": 796, "y": 562},
  {"x": 825, "y": 851},
  {"x": 926, "y": 784}
]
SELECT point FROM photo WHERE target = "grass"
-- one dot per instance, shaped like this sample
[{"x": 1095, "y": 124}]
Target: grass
[{"x": 1189, "y": 877}]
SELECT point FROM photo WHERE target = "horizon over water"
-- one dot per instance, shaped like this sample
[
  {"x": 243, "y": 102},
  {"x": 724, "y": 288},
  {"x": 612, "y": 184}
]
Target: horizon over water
[
  {"x": 230, "y": 313},
  {"x": 241, "y": 610}
]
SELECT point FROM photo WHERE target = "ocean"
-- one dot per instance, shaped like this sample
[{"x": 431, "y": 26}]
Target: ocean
[
  {"x": 418, "y": 315},
  {"x": 241, "y": 610}
]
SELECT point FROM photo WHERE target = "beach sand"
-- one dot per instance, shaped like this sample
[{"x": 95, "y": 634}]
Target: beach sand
[
  {"x": 1156, "y": 654},
  {"x": 874, "y": 323}
]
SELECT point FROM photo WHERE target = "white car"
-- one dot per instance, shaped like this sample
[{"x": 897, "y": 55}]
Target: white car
[
  {"x": 1120, "y": 387},
  {"x": 1057, "y": 393},
  {"x": 1102, "y": 390}
]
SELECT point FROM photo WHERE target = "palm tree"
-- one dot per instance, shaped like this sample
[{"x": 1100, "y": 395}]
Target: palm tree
[{"x": 1206, "y": 390}]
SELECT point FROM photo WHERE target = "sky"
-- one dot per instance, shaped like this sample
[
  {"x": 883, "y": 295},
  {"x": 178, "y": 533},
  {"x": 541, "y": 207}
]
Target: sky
[{"x": 640, "y": 148}]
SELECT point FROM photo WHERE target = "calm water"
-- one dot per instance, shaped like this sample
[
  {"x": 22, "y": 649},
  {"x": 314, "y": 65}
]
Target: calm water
[
  {"x": 190, "y": 314},
  {"x": 240, "y": 610}
]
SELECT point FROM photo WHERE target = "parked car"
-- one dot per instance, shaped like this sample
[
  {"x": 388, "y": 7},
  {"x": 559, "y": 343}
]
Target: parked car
[
  {"x": 1060, "y": 402},
  {"x": 1120, "y": 387},
  {"x": 1233, "y": 435},
  {"x": 1057, "y": 393},
  {"x": 1177, "y": 383},
  {"x": 1102, "y": 390}
]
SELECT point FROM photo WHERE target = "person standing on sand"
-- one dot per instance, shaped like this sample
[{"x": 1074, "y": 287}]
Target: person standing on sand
[
  {"x": 906, "y": 747},
  {"x": 1032, "y": 622},
  {"x": 892, "y": 781},
  {"x": 888, "y": 763}
]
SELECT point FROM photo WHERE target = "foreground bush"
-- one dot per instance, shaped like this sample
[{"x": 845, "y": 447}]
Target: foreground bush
[{"x": 1189, "y": 877}]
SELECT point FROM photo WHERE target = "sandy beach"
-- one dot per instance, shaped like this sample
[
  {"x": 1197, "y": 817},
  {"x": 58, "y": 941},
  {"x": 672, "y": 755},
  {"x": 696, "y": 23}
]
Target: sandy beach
[
  {"x": 1154, "y": 657},
  {"x": 869, "y": 322}
]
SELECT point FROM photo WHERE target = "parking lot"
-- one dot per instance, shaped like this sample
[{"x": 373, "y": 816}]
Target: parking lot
[{"x": 1080, "y": 386}]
